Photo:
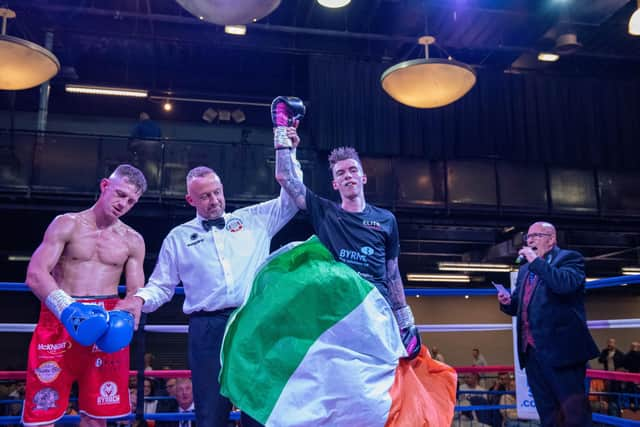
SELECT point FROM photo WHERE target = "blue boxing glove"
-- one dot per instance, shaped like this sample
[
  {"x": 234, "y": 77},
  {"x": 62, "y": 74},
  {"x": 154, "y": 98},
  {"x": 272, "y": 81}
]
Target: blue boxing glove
[
  {"x": 85, "y": 323},
  {"x": 408, "y": 331},
  {"x": 119, "y": 333}
]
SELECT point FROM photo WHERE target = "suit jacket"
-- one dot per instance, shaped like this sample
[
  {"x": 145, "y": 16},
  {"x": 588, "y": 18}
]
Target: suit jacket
[
  {"x": 557, "y": 318},
  {"x": 169, "y": 405},
  {"x": 618, "y": 359}
]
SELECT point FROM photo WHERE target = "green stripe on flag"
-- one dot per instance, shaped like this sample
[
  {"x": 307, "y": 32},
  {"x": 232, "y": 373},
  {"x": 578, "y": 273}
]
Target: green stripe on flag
[{"x": 295, "y": 298}]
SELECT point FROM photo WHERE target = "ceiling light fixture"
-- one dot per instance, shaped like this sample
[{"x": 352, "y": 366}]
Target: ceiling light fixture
[
  {"x": 167, "y": 106},
  {"x": 451, "y": 278},
  {"x": 19, "y": 258},
  {"x": 548, "y": 57},
  {"x": 23, "y": 64},
  {"x": 105, "y": 90},
  {"x": 333, "y": 4},
  {"x": 567, "y": 43},
  {"x": 230, "y": 12},
  {"x": 473, "y": 266},
  {"x": 428, "y": 82},
  {"x": 235, "y": 30},
  {"x": 634, "y": 22}
]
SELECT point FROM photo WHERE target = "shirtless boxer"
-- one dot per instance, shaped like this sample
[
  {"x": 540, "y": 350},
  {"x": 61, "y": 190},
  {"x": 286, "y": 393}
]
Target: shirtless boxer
[{"x": 81, "y": 334}]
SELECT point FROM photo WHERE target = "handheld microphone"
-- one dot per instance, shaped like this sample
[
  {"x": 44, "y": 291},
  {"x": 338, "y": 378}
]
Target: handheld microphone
[{"x": 522, "y": 257}]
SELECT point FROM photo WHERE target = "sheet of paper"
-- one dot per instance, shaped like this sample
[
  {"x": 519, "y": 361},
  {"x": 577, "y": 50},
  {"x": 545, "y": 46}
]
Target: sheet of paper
[{"x": 501, "y": 289}]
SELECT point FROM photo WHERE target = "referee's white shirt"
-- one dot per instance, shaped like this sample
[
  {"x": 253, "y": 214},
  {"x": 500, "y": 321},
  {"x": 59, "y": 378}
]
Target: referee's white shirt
[{"x": 216, "y": 267}]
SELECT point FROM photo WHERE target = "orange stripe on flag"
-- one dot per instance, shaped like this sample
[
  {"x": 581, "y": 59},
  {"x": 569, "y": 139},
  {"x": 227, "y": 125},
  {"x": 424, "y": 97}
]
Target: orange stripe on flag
[{"x": 423, "y": 393}]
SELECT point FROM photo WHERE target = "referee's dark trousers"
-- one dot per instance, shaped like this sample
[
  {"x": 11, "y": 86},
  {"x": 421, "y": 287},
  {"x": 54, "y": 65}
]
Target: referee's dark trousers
[{"x": 206, "y": 330}]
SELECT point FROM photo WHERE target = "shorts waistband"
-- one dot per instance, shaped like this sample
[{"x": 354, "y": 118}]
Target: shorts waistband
[
  {"x": 94, "y": 297},
  {"x": 223, "y": 311}
]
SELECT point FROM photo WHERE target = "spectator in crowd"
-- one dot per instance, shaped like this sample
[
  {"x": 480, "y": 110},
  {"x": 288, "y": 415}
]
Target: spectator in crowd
[
  {"x": 183, "y": 403},
  {"x": 632, "y": 358},
  {"x": 501, "y": 384},
  {"x": 146, "y": 148},
  {"x": 436, "y": 354},
  {"x": 471, "y": 382},
  {"x": 150, "y": 405},
  {"x": 610, "y": 357},
  {"x": 148, "y": 361},
  {"x": 477, "y": 358}
]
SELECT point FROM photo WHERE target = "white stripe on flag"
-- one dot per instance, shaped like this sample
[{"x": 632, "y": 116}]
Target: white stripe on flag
[{"x": 345, "y": 377}]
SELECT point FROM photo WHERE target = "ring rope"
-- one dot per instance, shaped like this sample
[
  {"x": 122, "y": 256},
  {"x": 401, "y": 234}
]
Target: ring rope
[
  {"x": 452, "y": 327},
  {"x": 593, "y": 284}
]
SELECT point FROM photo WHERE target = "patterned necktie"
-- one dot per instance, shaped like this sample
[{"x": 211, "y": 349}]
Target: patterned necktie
[{"x": 217, "y": 222}]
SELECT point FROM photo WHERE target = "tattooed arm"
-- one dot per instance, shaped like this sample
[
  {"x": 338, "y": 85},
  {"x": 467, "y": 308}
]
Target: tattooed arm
[
  {"x": 288, "y": 178},
  {"x": 394, "y": 284},
  {"x": 402, "y": 312}
]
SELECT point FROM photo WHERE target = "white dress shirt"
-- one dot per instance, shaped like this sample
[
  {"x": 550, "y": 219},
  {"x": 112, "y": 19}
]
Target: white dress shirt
[
  {"x": 216, "y": 267},
  {"x": 186, "y": 423}
]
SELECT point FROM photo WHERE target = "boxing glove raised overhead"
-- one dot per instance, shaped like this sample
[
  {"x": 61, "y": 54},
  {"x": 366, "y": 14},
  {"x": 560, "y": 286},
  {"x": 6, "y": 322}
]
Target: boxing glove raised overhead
[
  {"x": 119, "y": 332},
  {"x": 85, "y": 323},
  {"x": 285, "y": 112}
]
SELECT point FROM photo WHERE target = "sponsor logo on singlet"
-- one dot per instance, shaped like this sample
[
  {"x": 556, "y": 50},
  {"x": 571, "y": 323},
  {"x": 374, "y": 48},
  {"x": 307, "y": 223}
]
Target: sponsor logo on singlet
[
  {"x": 48, "y": 371},
  {"x": 371, "y": 224},
  {"x": 108, "y": 394},
  {"x": 107, "y": 363},
  {"x": 356, "y": 257},
  {"x": 55, "y": 348},
  {"x": 367, "y": 250},
  {"x": 234, "y": 225},
  {"x": 45, "y": 399}
]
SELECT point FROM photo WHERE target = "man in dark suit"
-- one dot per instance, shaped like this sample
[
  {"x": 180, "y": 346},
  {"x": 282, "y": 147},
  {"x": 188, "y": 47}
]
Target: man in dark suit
[
  {"x": 554, "y": 343},
  {"x": 611, "y": 357},
  {"x": 182, "y": 403}
]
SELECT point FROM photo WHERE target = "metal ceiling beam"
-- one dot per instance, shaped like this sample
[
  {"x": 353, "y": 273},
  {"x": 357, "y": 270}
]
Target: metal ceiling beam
[{"x": 284, "y": 29}]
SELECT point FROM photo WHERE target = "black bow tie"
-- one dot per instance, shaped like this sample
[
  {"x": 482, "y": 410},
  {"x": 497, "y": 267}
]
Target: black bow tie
[{"x": 217, "y": 222}]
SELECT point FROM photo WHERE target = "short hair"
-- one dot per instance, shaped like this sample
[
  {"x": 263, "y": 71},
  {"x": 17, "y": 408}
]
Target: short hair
[
  {"x": 199, "y": 172},
  {"x": 181, "y": 380},
  {"x": 132, "y": 175},
  {"x": 343, "y": 153}
]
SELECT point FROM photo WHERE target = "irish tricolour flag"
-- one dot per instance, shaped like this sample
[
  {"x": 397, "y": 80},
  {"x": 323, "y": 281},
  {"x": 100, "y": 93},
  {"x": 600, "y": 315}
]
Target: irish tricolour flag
[{"x": 317, "y": 345}]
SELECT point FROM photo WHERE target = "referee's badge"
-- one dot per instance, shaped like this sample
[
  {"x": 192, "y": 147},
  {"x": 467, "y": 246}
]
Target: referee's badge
[{"x": 234, "y": 225}]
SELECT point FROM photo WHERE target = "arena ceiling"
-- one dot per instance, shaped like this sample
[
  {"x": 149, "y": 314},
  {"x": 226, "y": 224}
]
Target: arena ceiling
[{"x": 159, "y": 46}]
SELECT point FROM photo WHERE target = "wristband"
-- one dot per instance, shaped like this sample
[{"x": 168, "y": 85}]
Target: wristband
[
  {"x": 57, "y": 301},
  {"x": 404, "y": 316},
  {"x": 280, "y": 138}
]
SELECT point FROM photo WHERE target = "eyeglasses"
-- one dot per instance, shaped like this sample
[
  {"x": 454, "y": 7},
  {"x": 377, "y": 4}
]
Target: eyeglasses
[{"x": 535, "y": 236}]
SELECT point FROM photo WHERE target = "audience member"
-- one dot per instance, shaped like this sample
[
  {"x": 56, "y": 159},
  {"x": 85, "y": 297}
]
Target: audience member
[
  {"x": 477, "y": 358},
  {"x": 146, "y": 148},
  {"x": 436, "y": 354},
  {"x": 610, "y": 357},
  {"x": 632, "y": 358}
]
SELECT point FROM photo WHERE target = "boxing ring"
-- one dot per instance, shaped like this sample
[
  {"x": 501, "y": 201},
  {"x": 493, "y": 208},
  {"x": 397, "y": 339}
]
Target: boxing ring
[{"x": 433, "y": 328}]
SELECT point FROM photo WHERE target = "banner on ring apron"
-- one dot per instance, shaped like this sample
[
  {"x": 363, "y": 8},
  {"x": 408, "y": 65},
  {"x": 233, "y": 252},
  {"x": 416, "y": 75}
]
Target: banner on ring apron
[{"x": 524, "y": 398}]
